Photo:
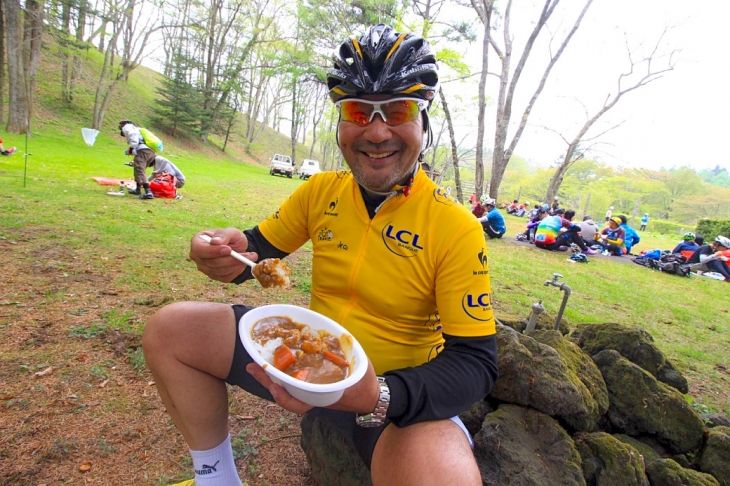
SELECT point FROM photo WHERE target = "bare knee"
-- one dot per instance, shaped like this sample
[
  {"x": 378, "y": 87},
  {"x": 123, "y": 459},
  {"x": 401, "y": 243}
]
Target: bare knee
[{"x": 161, "y": 328}]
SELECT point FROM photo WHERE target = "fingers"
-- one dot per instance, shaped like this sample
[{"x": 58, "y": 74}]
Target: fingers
[
  {"x": 213, "y": 258},
  {"x": 282, "y": 398}
]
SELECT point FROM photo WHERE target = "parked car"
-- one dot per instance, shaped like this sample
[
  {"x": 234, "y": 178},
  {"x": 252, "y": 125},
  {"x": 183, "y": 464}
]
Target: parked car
[
  {"x": 282, "y": 165},
  {"x": 308, "y": 168}
]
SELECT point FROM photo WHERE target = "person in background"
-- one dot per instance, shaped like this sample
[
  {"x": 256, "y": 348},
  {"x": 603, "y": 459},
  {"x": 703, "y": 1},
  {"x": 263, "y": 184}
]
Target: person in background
[
  {"x": 632, "y": 237},
  {"x": 473, "y": 198},
  {"x": 161, "y": 165},
  {"x": 644, "y": 221},
  {"x": 431, "y": 356},
  {"x": 688, "y": 244},
  {"x": 555, "y": 206},
  {"x": 512, "y": 208},
  {"x": 712, "y": 258},
  {"x": 612, "y": 237},
  {"x": 9, "y": 151},
  {"x": 522, "y": 209},
  {"x": 478, "y": 208},
  {"x": 534, "y": 223},
  {"x": 143, "y": 157},
  {"x": 493, "y": 222},
  {"x": 588, "y": 230},
  {"x": 557, "y": 233}
]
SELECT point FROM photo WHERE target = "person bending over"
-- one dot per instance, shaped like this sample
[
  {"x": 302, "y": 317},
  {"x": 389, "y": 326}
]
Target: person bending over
[
  {"x": 163, "y": 165},
  {"x": 400, "y": 288},
  {"x": 557, "y": 233},
  {"x": 143, "y": 157}
]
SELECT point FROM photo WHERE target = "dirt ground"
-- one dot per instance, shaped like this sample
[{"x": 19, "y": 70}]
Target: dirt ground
[{"x": 77, "y": 405}]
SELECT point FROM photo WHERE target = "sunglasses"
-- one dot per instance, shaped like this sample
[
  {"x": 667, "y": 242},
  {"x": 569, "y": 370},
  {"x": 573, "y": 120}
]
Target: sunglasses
[{"x": 394, "y": 111}]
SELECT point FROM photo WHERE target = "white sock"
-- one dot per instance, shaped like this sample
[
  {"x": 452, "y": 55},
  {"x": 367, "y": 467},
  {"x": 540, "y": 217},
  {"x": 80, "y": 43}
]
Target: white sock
[{"x": 216, "y": 467}]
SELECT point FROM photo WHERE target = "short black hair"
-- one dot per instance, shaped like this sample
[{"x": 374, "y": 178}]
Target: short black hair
[
  {"x": 622, "y": 218},
  {"x": 569, "y": 214},
  {"x": 700, "y": 240},
  {"x": 560, "y": 211},
  {"x": 586, "y": 217}
]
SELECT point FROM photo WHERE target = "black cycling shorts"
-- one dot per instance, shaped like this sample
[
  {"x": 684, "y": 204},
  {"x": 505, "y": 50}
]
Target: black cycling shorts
[{"x": 363, "y": 438}]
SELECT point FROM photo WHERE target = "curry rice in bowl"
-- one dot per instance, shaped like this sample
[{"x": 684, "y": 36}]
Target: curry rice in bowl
[{"x": 315, "y": 394}]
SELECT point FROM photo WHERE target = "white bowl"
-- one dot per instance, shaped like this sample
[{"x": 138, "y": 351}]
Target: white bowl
[{"x": 315, "y": 394}]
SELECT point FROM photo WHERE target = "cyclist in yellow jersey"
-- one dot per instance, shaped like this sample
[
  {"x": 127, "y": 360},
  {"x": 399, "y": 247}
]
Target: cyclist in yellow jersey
[{"x": 395, "y": 260}]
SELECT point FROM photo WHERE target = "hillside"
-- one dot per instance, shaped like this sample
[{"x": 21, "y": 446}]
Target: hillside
[{"x": 134, "y": 100}]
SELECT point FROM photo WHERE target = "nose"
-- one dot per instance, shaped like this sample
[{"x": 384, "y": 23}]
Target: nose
[{"x": 377, "y": 130}]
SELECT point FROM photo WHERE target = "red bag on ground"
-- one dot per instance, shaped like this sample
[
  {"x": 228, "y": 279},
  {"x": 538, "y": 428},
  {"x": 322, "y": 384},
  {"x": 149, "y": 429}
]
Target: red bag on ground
[{"x": 164, "y": 186}]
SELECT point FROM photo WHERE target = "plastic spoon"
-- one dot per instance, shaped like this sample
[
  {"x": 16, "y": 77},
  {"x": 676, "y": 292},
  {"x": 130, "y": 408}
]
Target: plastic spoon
[
  {"x": 270, "y": 272},
  {"x": 234, "y": 254}
]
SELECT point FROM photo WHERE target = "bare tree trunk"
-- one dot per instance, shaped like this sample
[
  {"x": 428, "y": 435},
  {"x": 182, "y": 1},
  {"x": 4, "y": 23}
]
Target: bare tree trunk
[
  {"x": 485, "y": 15},
  {"x": 2, "y": 62},
  {"x": 33, "y": 35},
  {"x": 17, "y": 96},
  {"x": 454, "y": 152},
  {"x": 502, "y": 155},
  {"x": 585, "y": 208},
  {"x": 635, "y": 212},
  {"x": 293, "y": 133}
]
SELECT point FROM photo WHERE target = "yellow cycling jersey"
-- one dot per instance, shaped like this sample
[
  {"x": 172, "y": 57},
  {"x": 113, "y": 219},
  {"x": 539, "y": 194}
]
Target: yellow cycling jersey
[{"x": 396, "y": 282}]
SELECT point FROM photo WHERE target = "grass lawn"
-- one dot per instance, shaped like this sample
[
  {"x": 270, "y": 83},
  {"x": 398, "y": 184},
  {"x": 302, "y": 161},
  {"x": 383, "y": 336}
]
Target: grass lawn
[{"x": 76, "y": 263}]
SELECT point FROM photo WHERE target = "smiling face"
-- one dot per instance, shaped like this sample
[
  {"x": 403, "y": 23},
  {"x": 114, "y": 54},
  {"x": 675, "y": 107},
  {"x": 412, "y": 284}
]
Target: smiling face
[{"x": 381, "y": 156}]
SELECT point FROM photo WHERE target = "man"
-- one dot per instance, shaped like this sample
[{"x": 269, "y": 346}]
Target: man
[
  {"x": 631, "y": 236},
  {"x": 9, "y": 151},
  {"x": 609, "y": 213},
  {"x": 556, "y": 205},
  {"x": 588, "y": 230},
  {"x": 688, "y": 244},
  {"x": 710, "y": 258},
  {"x": 493, "y": 222},
  {"x": 163, "y": 165},
  {"x": 512, "y": 208},
  {"x": 644, "y": 221},
  {"x": 143, "y": 157},
  {"x": 412, "y": 286}
]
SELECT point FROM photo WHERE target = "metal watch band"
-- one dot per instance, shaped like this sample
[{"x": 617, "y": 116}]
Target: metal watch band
[{"x": 376, "y": 418}]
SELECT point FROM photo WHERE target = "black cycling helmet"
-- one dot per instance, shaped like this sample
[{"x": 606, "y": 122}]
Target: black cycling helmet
[
  {"x": 383, "y": 61},
  {"x": 121, "y": 124}
]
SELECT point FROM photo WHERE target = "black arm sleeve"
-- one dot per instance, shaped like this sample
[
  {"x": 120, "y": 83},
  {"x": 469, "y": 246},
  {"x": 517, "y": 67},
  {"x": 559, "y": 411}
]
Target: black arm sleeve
[
  {"x": 462, "y": 374},
  {"x": 257, "y": 243}
]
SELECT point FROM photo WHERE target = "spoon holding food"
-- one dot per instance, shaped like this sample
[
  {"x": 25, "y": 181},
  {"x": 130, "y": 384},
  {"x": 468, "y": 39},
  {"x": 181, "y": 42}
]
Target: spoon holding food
[{"x": 269, "y": 272}]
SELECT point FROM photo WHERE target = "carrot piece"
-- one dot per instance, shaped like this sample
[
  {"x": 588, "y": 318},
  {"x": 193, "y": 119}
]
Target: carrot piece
[
  {"x": 283, "y": 357},
  {"x": 301, "y": 374},
  {"x": 336, "y": 359}
]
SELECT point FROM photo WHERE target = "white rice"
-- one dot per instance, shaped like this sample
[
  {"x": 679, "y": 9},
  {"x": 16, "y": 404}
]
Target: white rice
[{"x": 267, "y": 351}]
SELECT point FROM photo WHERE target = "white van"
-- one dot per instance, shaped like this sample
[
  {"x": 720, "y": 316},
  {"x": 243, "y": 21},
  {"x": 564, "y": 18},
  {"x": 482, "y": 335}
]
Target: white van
[
  {"x": 282, "y": 164},
  {"x": 308, "y": 168}
]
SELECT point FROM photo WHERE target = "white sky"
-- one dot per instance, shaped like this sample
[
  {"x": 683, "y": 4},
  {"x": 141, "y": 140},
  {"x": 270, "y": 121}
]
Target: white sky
[{"x": 680, "y": 119}]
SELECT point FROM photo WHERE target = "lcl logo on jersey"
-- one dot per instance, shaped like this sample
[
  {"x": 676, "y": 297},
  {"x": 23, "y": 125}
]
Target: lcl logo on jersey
[
  {"x": 443, "y": 197},
  {"x": 477, "y": 306},
  {"x": 482, "y": 256},
  {"x": 402, "y": 242}
]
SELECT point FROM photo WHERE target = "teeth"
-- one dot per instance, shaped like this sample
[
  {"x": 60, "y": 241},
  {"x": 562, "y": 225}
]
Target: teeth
[{"x": 380, "y": 156}]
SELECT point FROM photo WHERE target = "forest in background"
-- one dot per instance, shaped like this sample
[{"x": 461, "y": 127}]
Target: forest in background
[{"x": 234, "y": 68}]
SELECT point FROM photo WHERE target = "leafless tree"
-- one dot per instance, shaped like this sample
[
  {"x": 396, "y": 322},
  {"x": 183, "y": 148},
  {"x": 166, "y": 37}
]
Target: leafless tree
[
  {"x": 649, "y": 73},
  {"x": 507, "y": 86}
]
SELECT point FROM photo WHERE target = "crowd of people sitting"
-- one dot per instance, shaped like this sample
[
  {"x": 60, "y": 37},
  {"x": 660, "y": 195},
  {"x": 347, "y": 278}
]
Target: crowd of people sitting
[{"x": 552, "y": 228}]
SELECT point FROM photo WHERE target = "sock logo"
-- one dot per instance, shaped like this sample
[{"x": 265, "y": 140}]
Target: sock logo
[{"x": 206, "y": 469}]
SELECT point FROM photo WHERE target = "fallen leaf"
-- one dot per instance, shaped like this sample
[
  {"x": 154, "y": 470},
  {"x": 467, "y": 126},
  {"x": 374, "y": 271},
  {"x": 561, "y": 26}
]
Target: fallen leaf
[
  {"x": 150, "y": 383},
  {"x": 85, "y": 466},
  {"x": 103, "y": 383},
  {"x": 43, "y": 373}
]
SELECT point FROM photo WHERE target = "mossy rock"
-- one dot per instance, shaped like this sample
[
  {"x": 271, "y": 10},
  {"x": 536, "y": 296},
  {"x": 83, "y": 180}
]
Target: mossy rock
[
  {"x": 715, "y": 458},
  {"x": 647, "y": 451},
  {"x": 607, "y": 461},
  {"x": 666, "y": 472}
]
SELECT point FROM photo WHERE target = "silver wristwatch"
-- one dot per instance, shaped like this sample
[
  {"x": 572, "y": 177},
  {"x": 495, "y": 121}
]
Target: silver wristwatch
[{"x": 376, "y": 418}]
